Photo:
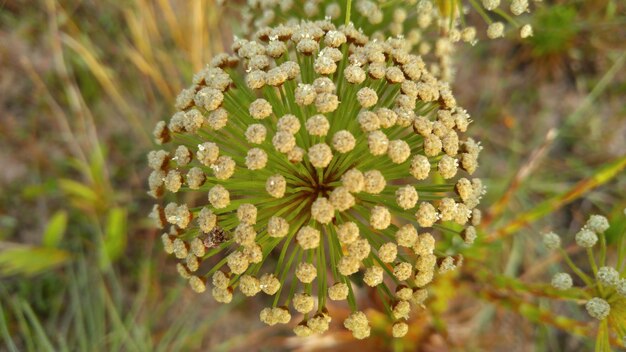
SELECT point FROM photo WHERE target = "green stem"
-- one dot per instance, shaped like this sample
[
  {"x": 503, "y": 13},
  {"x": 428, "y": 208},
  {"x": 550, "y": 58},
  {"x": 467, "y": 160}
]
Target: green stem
[
  {"x": 348, "y": 10},
  {"x": 594, "y": 267},
  {"x": 621, "y": 253},
  {"x": 480, "y": 11},
  {"x": 575, "y": 269},
  {"x": 506, "y": 16},
  {"x": 602, "y": 260}
]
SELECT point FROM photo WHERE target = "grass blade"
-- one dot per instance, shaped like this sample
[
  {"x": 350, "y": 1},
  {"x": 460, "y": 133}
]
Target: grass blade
[{"x": 601, "y": 176}]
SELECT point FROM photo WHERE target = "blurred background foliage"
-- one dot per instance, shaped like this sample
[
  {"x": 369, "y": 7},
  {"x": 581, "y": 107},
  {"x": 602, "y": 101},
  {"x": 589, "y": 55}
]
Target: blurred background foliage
[{"x": 83, "y": 82}]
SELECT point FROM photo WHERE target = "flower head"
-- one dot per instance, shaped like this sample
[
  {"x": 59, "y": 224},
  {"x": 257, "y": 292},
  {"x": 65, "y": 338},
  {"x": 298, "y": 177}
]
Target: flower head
[
  {"x": 603, "y": 287},
  {"x": 608, "y": 276},
  {"x": 280, "y": 179},
  {"x": 597, "y": 224},
  {"x": 552, "y": 241},
  {"x": 437, "y": 26},
  {"x": 562, "y": 281},
  {"x": 586, "y": 238},
  {"x": 598, "y": 308}
]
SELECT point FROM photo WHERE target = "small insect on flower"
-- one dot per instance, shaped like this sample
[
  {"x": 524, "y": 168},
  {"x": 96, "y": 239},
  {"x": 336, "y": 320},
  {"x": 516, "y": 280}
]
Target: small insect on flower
[
  {"x": 215, "y": 237},
  {"x": 286, "y": 165}
]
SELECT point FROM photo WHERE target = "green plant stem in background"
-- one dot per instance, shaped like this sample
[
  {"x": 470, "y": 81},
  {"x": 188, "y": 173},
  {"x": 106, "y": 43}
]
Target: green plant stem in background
[
  {"x": 481, "y": 12},
  {"x": 594, "y": 268},
  {"x": 348, "y": 11},
  {"x": 507, "y": 17},
  {"x": 549, "y": 206},
  {"x": 621, "y": 251},
  {"x": 588, "y": 281},
  {"x": 596, "y": 91}
]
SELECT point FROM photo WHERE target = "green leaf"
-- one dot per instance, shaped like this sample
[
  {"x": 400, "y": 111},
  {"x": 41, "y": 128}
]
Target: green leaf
[
  {"x": 82, "y": 196},
  {"x": 78, "y": 190},
  {"x": 55, "y": 229},
  {"x": 29, "y": 261},
  {"x": 114, "y": 241},
  {"x": 40, "y": 334},
  {"x": 4, "y": 331},
  {"x": 33, "y": 191}
]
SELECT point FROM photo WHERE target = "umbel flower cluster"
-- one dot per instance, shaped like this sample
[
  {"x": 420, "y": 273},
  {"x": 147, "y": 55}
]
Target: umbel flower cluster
[
  {"x": 312, "y": 161},
  {"x": 431, "y": 27},
  {"x": 393, "y": 18},
  {"x": 604, "y": 285}
]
